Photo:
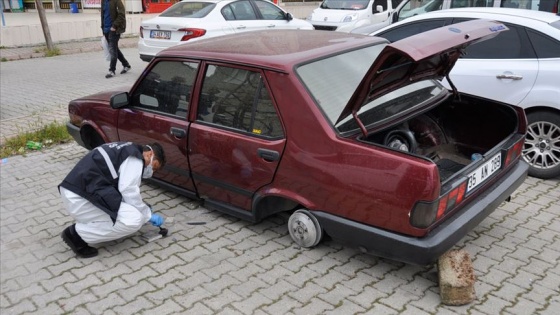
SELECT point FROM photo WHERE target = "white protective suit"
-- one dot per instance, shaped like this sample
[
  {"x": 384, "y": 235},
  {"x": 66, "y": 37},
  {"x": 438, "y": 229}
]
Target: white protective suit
[{"x": 94, "y": 225}]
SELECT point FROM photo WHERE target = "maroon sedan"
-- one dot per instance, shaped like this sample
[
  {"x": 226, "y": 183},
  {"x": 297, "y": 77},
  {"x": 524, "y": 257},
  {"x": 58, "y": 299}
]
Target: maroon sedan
[{"x": 353, "y": 136}]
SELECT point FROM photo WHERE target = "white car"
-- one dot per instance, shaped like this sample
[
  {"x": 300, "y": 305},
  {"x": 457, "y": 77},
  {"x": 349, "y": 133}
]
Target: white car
[
  {"x": 520, "y": 67},
  {"x": 346, "y": 15},
  {"x": 191, "y": 20},
  {"x": 408, "y": 8}
]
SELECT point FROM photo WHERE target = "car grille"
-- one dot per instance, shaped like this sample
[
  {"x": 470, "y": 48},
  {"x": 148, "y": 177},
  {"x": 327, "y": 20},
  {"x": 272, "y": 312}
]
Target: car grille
[{"x": 325, "y": 28}]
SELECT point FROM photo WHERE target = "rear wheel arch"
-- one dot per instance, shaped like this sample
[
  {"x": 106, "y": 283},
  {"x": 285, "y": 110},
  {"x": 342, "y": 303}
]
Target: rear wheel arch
[{"x": 267, "y": 205}]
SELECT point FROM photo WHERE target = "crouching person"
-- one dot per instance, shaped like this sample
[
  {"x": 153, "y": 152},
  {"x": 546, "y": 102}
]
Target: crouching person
[{"x": 102, "y": 194}]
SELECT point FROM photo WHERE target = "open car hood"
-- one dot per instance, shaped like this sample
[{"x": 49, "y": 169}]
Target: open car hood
[{"x": 428, "y": 55}]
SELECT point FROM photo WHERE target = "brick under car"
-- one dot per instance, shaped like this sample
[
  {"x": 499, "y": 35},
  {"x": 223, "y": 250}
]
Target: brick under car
[{"x": 351, "y": 135}]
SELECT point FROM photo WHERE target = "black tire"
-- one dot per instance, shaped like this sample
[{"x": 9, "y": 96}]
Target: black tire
[{"x": 542, "y": 144}]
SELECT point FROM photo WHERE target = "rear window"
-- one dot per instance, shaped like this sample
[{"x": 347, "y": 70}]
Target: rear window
[
  {"x": 189, "y": 10},
  {"x": 332, "y": 81}
]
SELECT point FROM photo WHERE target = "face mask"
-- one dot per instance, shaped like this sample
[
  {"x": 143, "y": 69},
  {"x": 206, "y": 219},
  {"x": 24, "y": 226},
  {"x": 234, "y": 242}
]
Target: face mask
[{"x": 148, "y": 170}]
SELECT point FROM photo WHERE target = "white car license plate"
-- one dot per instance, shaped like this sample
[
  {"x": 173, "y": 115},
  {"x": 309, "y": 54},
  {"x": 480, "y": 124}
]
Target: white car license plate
[
  {"x": 484, "y": 172},
  {"x": 160, "y": 34}
]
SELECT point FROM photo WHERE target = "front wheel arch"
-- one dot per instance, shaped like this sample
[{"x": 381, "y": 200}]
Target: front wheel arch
[{"x": 91, "y": 137}]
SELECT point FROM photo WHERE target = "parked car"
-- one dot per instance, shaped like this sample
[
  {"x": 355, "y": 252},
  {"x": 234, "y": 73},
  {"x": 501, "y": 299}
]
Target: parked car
[
  {"x": 344, "y": 16},
  {"x": 409, "y": 8},
  {"x": 191, "y": 20},
  {"x": 354, "y": 137},
  {"x": 521, "y": 67}
]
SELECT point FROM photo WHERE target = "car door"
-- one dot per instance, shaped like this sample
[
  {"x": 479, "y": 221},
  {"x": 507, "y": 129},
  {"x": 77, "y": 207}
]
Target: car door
[
  {"x": 237, "y": 139},
  {"x": 242, "y": 17},
  {"x": 158, "y": 113},
  {"x": 503, "y": 68},
  {"x": 272, "y": 16}
]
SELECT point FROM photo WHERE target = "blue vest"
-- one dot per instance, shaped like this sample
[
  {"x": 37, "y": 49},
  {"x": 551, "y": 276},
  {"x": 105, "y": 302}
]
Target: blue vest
[
  {"x": 107, "y": 23},
  {"x": 95, "y": 176}
]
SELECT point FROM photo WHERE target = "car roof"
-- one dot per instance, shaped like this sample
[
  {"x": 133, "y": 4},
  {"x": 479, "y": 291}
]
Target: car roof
[
  {"x": 278, "y": 50},
  {"x": 541, "y": 16}
]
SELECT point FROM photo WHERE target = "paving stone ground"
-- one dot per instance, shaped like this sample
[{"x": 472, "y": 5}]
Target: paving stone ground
[{"x": 228, "y": 266}]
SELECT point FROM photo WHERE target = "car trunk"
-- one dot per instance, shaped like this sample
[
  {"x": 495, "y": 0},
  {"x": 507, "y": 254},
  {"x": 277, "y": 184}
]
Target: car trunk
[{"x": 453, "y": 134}]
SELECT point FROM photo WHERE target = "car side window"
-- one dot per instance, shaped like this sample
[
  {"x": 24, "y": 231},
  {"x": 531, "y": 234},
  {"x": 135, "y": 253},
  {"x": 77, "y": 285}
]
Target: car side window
[
  {"x": 238, "y": 99},
  {"x": 513, "y": 44},
  {"x": 242, "y": 10},
  {"x": 410, "y": 29},
  {"x": 382, "y": 3},
  {"x": 227, "y": 13},
  {"x": 269, "y": 11},
  {"x": 545, "y": 46},
  {"x": 166, "y": 88}
]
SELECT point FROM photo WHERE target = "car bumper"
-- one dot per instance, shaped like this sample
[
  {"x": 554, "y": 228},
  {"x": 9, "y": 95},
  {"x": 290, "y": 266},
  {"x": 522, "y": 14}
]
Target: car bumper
[
  {"x": 74, "y": 131},
  {"x": 425, "y": 250}
]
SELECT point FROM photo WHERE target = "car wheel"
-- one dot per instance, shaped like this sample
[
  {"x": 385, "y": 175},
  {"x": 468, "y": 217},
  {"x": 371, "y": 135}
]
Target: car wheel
[
  {"x": 542, "y": 144},
  {"x": 305, "y": 229}
]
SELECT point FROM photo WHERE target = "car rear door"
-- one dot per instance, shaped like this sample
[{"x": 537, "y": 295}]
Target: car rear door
[
  {"x": 503, "y": 68},
  {"x": 158, "y": 113},
  {"x": 272, "y": 16},
  {"x": 236, "y": 139},
  {"x": 242, "y": 17}
]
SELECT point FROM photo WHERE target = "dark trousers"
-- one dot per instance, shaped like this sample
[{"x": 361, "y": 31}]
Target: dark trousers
[{"x": 113, "y": 43}]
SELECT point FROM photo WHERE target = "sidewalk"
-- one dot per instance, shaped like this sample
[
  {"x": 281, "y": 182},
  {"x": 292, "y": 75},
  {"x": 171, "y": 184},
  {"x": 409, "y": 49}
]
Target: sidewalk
[{"x": 73, "y": 47}]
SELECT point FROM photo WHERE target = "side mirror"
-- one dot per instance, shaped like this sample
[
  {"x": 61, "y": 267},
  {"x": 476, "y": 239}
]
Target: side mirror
[
  {"x": 289, "y": 16},
  {"x": 119, "y": 100},
  {"x": 378, "y": 9}
]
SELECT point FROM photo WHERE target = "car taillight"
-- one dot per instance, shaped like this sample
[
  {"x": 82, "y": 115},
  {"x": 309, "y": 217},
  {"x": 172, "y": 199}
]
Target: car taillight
[
  {"x": 514, "y": 151},
  {"x": 191, "y": 33},
  {"x": 141, "y": 32},
  {"x": 425, "y": 214}
]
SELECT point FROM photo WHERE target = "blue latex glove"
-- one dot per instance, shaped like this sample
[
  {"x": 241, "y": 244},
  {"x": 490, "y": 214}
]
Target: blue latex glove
[{"x": 156, "y": 220}]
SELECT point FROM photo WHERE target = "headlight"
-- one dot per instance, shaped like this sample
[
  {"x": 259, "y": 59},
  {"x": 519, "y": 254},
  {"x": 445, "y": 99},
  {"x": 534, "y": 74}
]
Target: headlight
[{"x": 349, "y": 18}]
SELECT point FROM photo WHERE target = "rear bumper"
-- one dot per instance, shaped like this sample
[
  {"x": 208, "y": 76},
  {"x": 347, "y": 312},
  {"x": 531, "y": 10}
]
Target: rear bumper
[
  {"x": 74, "y": 131},
  {"x": 426, "y": 250}
]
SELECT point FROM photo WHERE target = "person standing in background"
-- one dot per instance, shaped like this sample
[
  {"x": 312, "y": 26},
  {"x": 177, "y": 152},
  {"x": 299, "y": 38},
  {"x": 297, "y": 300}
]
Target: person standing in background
[{"x": 113, "y": 24}]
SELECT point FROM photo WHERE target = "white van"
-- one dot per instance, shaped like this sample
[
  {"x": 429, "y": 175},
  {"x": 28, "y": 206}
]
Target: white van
[
  {"x": 346, "y": 15},
  {"x": 408, "y": 8}
]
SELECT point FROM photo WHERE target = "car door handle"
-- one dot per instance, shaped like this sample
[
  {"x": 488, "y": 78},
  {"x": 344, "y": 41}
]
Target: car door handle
[
  {"x": 271, "y": 26},
  {"x": 268, "y": 155},
  {"x": 509, "y": 76},
  {"x": 241, "y": 27},
  {"x": 178, "y": 132}
]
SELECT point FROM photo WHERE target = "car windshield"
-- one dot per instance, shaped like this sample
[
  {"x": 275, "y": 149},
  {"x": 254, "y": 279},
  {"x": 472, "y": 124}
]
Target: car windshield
[
  {"x": 189, "y": 10},
  {"x": 333, "y": 80},
  {"x": 345, "y": 5}
]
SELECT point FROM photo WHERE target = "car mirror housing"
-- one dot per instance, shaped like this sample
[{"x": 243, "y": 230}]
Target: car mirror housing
[
  {"x": 289, "y": 16},
  {"x": 119, "y": 100}
]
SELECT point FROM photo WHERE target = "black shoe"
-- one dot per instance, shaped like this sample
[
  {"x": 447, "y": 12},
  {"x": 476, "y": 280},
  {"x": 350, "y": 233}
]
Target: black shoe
[
  {"x": 76, "y": 243},
  {"x": 125, "y": 69},
  {"x": 110, "y": 74}
]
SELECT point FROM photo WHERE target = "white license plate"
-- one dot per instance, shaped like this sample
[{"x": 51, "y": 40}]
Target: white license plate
[
  {"x": 484, "y": 172},
  {"x": 160, "y": 34}
]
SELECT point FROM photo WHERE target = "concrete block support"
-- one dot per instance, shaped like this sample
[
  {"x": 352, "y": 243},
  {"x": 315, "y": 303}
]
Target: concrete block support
[{"x": 456, "y": 278}]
